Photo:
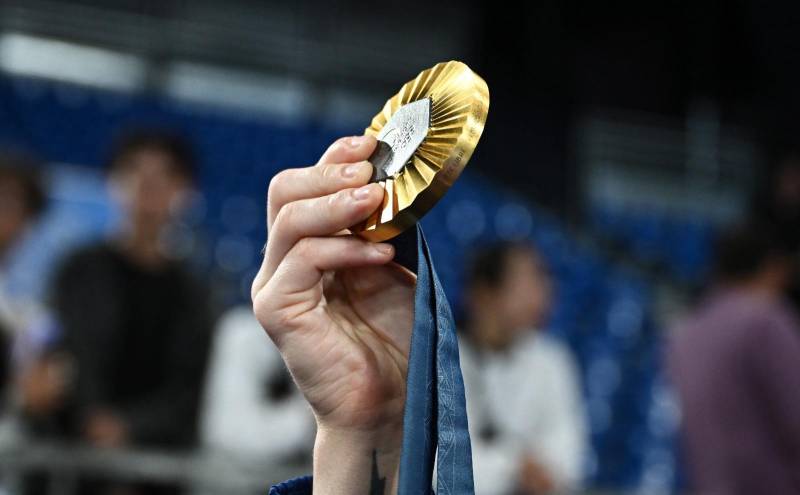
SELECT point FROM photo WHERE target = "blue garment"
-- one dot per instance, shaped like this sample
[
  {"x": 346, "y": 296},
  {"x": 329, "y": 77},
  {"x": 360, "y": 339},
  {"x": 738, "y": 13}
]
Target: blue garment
[
  {"x": 435, "y": 412},
  {"x": 297, "y": 486}
]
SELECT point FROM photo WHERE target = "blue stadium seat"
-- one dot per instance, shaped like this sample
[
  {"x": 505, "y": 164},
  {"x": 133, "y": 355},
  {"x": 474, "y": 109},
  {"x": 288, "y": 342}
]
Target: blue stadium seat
[{"x": 602, "y": 313}]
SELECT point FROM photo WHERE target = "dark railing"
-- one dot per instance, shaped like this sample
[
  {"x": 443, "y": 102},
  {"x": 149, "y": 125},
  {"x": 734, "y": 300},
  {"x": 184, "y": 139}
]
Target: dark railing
[{"x": 200, "y": 472}]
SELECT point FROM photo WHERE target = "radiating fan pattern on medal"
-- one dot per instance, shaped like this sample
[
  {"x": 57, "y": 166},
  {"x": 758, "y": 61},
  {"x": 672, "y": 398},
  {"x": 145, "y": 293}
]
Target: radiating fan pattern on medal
[{"x": 459, "y": 104}]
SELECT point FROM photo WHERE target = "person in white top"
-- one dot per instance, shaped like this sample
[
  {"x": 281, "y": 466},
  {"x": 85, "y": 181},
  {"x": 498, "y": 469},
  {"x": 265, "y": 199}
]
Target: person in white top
[
  {"x": 526, "y": 414},
  {"x": 252, "y": 408}
]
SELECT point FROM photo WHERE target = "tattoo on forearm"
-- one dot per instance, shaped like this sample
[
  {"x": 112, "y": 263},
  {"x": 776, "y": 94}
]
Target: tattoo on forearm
[{"x": 377, "y": 485}]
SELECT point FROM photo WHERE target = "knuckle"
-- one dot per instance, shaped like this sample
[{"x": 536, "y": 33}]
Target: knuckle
[
  {"x": 329, "y": 172},
  {"x": 255, "y": 288},
  {"x": 278, "y": 180},
  {"x": 254, "y": 298},
  {"x": 274, "y": 322},
  {"x": 284, "y": 225},
  {"x": 304, "y": 248},
  {"x": 283, "y": 219},
  {"x": 339, "y": 145},
  {"x": 274, "y": 319},
  {"x": 276, "y": 185},
  {"x": 263, "y": 311},
  {"x": 339, "y": 200}
]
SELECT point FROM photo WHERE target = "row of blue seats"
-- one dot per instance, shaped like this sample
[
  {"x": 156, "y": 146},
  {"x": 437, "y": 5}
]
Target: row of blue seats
[
  {"x": 681, "y": 243},
  {"x": 603, "y": 313}
]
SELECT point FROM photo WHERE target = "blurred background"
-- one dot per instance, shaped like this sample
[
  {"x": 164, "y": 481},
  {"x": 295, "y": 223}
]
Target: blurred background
[{"x": 621, "y": 140}]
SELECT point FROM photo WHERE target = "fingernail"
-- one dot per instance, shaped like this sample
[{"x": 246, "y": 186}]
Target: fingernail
[
  {"x": 384, "y": 248},
  {"x": 356, "y": 141},
  {"x": 362, "y": 193},
  {"x": 353, "y": 169}
]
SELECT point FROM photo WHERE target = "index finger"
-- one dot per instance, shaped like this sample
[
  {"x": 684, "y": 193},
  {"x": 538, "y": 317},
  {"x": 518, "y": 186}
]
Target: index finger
[
  {"x": 326, "y": 177},
  {"x": 349, "y": 149}
]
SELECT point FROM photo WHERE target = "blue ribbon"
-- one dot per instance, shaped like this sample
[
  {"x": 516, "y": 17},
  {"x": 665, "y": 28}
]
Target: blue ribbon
[{"x": 435, "y": 417}]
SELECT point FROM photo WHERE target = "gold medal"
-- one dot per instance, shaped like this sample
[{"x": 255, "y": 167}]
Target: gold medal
[{"x": 426, "y": 135}]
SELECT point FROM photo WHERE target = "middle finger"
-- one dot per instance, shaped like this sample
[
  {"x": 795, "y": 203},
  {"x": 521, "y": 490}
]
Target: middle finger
[
  {"x": 295, "y": 184},
  {"x": 317, "y": 217}
]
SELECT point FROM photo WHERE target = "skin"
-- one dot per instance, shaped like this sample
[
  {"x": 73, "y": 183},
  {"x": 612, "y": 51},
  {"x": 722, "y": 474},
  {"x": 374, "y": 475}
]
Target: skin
[
  {"x": 770, "y": 280},
  {"x": 521, "y": 301},
  {"x": 150, "y": 191},
  {"x": 14, "y": 214},
  {"x": 341, "y": 313},
  {"x": 534, "y": 478},
  {"x": 42, "y": 385}
]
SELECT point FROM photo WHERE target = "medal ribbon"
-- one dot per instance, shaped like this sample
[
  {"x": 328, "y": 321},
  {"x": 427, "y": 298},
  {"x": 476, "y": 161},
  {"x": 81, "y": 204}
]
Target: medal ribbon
[{"x": 435, "y": 419}]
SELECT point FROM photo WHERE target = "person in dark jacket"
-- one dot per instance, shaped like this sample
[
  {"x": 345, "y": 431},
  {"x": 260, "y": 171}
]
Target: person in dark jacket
[{"x": 135, "y": 321}]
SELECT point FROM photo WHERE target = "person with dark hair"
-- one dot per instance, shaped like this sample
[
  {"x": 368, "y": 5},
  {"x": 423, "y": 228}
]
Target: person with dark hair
[
  {"x": 135, "y": 321},
  {"x": 22, "y": 197},
  {"x": 169, "y": 144},
  {"x": 32, "y": 378},
  {"x": 534, "y": 442},
  {"x": 779, "y": 207},
  {"x": 22, "y": 200},
  {"x": 735, "y": 362}
]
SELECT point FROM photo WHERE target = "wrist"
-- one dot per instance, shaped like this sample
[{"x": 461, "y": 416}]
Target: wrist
[{"x": 350, "y": 461}]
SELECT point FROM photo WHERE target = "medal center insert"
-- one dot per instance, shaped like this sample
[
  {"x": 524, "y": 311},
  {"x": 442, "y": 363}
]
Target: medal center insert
[{"x": 400, "y": 138}]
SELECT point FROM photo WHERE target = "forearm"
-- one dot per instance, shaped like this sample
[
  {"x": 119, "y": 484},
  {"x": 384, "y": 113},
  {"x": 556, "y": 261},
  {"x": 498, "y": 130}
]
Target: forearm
[{"x": 347, "y": 462}]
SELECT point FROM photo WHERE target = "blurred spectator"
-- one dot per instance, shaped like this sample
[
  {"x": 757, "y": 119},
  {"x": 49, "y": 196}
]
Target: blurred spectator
[
  {"x": 22, "y": 200},
  {"x": 526, "y": 415},
  {"x": 252, "y": 406},
  {"x": 134, "y": 320},
  {"x": 31, "y": 380},
  {"x": 779, "y": 207},
  {"x": 736, "y": 364}
]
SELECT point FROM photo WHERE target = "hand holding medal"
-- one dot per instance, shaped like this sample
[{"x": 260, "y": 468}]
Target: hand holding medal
[{"x": 339, "y": 311}]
